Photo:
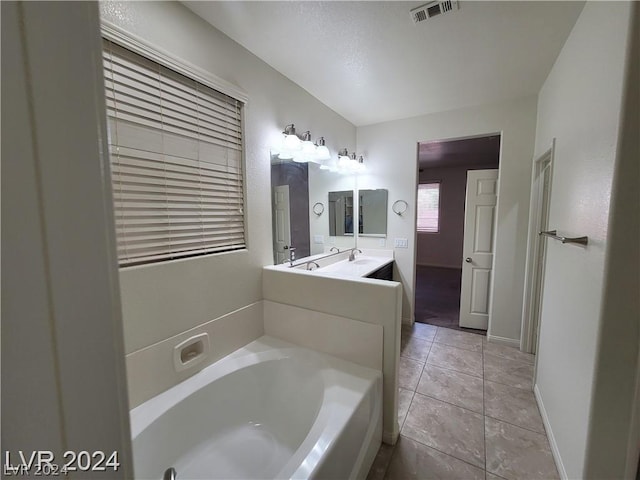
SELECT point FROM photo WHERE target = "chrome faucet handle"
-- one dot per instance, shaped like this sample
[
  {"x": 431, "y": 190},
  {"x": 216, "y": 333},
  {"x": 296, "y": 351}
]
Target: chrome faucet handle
[
  {"x": 334, "y": 248},
  {"x": 352, "y": 254},
  {"x": 169, "y": 474}
]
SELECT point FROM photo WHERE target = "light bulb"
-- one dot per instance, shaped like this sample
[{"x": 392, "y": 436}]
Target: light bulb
[
  {"x": 308, "y": 147},
  {"x": 292, "y": 143},
  {"x": 322, "y": 153}
]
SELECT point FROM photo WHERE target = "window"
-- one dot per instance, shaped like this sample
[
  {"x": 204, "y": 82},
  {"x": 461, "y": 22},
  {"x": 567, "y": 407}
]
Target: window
[
  {"x": 429, "y": 207},
  {"x": 176, "y": 160}
]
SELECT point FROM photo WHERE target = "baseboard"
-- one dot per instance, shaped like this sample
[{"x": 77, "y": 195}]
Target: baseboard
[
  {"x": 455, "y": 267},
  {"x": 552, "y": 439},
  {"x": 407, "y": 321},
  {"x": 389, "y": 438},
  {"x": 511, "y": 342}
]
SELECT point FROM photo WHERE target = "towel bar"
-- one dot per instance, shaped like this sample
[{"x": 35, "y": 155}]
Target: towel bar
[{"x": 554, "y": 234}]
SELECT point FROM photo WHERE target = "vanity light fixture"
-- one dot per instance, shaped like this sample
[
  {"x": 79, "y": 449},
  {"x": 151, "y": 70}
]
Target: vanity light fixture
[
  {"x": 322, "y": 152},
  {"x": 308, "y": 146},
  {"x": 308, "y": 151},
  {"x": 343, "y": 158},
  {"x": 300, "y": 148},
  {"x": 349, "y": 163},
  {"x": 291, "y": 140},
  {"x": 361, "y": 166}
]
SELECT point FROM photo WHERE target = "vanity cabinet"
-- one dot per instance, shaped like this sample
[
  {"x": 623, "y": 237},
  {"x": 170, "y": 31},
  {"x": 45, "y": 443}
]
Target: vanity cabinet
[{"x": 383, "y": 273}]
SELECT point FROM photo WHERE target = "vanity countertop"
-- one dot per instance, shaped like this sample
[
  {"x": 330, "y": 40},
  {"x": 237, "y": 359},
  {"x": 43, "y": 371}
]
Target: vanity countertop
[
  {"x": 362, "y": 266},
  {"x": 339, "y": 266}
]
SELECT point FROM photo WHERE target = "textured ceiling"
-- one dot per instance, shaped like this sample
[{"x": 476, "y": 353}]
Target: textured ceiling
[{"x": 370, "y": 63}]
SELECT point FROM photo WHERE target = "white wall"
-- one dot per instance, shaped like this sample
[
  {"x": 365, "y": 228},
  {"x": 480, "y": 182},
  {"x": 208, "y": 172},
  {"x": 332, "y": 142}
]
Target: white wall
[
  {"x": 163, "y": 300},
  {"x": 63, "y": 374},
  {"x": 390, "y": 151},
  {"x": 580, "y": 105}
]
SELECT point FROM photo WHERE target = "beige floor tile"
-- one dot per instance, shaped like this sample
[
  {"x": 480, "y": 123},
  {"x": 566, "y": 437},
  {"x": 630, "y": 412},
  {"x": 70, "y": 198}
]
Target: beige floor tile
[
  {"x": 381, "y": 462},
  {"x": 453, "y": 387},
  {"x": 404, "y": 401},
  {"x": 453, "y": 358},
  {"x": 491, "y": 476},
  {"x": 513, "y": 405},
  {"x": 464, "y": 340},
  {"x": 515, "y": 453},
  {"x": 410, "y": 371},
  {"x": 511, "y": 353},
  {"x": 509, "y": 372},
  {"x": 447, "y": 428},
  {"x": 413, "y": 461},
  {"x": 420, "y": 330},
  {"x": 415, "y": 347}
]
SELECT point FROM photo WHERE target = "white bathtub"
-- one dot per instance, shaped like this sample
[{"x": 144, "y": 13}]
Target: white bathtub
[{"x": 268, "y": 410}]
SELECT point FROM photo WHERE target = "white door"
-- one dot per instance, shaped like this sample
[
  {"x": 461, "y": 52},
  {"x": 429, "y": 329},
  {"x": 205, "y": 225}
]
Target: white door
[
  {"x": 478, "y": 246},
  {"x": 282, "y": 223}
]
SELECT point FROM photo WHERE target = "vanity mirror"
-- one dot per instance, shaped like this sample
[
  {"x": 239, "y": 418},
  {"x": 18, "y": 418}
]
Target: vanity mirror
[
  {"x": 341, "y": 213},
  {"x": 295, "y": 189},
  {"x": 372, "y": 208}
]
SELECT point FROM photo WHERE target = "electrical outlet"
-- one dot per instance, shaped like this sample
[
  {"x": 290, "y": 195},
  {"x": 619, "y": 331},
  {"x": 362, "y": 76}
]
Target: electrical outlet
[
  {"x": 318, "y": 239},
  {"x": 382, "y": 242},
  {"x": 401, "y": 243}
]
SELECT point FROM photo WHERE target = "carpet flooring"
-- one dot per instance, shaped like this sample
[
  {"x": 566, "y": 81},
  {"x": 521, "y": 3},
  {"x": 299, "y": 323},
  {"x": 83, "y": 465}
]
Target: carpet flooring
[{"x": 438, "y": 297}]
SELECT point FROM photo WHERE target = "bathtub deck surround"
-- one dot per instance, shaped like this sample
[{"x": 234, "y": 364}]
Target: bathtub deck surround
[
  {"x": 158, "y": 367},
  {"x": 467, "y": 411},
  {"x": 269, "y": 410},
  {"x": 363, "y": 300},
  {"x": 345, "y": 338}
]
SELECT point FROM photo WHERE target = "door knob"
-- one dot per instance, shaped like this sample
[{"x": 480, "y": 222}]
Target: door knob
[{"x": 468, "y": 259}]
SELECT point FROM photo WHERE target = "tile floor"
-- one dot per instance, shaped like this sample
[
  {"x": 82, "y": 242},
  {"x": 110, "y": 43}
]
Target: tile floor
[{"x": 466, "y": 411}]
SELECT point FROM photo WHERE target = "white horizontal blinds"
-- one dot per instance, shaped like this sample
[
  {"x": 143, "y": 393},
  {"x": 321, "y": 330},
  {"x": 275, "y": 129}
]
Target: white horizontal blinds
[
  {"x": 176, "y": 157},
  {"x": 428, "y": 207}
]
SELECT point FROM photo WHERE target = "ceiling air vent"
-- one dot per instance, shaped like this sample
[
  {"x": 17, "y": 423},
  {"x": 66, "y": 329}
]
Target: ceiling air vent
[{"x": 433, "y": 9}]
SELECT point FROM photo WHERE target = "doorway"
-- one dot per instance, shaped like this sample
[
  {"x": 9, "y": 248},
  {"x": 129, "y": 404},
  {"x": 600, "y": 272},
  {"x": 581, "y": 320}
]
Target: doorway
[
  {"x": 534, "y": 276},
  {"x": 442, "y": 187}
]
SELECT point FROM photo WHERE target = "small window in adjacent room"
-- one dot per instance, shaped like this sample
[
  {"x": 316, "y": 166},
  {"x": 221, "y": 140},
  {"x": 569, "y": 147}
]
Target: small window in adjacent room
[
  {"x": 176, "y": 160},
  {"x": 429, "y": 207}
]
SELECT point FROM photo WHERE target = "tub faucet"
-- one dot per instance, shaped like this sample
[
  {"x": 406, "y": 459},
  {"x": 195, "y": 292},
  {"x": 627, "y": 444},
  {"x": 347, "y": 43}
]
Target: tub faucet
[
  {"x": 352, "y": 254},
  {"x": 334, "y": 248},
  {"x": 169, "y": 474},
  {"x": 312, "y": 263}
]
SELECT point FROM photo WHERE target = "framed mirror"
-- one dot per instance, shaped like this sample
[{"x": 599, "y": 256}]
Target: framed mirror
[{"x": 372, "y": 212}]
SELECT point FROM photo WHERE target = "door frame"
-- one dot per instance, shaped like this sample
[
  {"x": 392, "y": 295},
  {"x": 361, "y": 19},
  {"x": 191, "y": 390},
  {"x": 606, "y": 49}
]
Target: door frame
[
  {"x": 499, "y": 133},
  {"x": 534, "y": 277},
  {"x": 275, "y": 221}
]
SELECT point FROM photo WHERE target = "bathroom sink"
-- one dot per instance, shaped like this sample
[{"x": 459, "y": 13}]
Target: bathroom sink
[
  {"x": 365, "y": 261},
  {"x": 360, "y": 267}
]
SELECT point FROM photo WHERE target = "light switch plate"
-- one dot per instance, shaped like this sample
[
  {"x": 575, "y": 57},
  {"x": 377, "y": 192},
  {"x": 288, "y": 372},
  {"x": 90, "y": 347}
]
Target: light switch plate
[
  {"x": 319, "y": 239},
  {"x": 382, "y": 242},
  {"x": 401, "y": 243}
]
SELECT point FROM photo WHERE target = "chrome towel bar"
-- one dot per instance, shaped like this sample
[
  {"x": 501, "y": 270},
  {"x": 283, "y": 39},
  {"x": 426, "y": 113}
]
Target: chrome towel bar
[{"x": 554, "y": 234}]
